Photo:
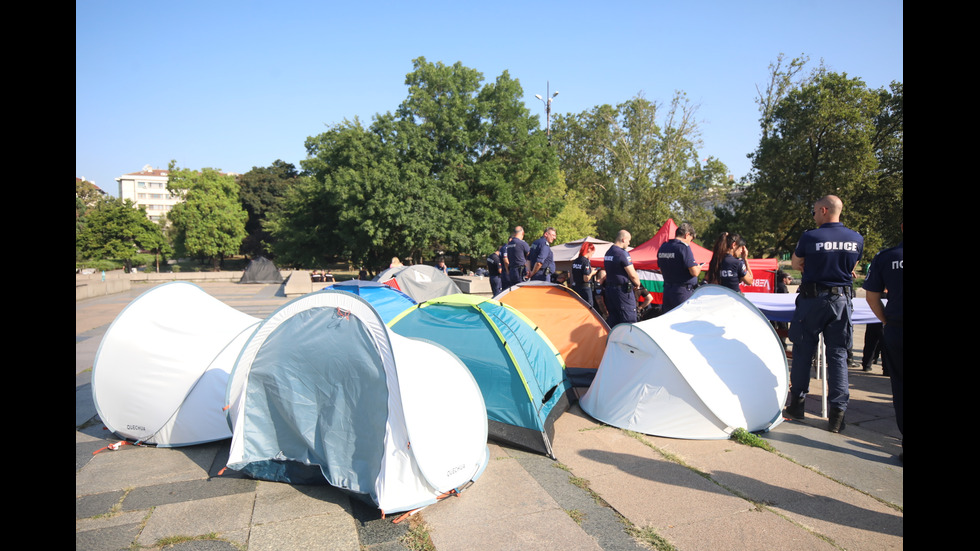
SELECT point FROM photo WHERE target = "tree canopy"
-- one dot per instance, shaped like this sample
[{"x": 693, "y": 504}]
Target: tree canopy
[
  {"x": 454, "y": 167},
  {"x": 210, "y": 222},
  {"x": 827, "y": 134},
  {"x": 637, "y": 164},
  {"x": 261, "y": 191},
  {"x": 117, "y": 229}
]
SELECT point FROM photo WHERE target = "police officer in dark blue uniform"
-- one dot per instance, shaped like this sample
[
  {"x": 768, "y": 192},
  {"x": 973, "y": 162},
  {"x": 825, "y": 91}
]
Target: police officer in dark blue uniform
[
  {"x": 517, "y": 251},
  {"x": 493, "y": 272},
  {"x": 504, "y": 276},
  {"x": 582, "y": 273},
  {"x": 621, "y": 279},
  {"x": 541, "y": 258},
  {"x": 886, "y": 274},
  {"x": 678, "y": 267},
  {"x": 827, "y": 257}
]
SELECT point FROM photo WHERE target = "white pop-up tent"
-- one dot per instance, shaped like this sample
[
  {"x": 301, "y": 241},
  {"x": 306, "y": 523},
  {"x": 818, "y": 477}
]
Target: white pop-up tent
[
  {"x": 324, "y": 392},
  {"x": 161, "y": 370},
  {"x": 700, "y": 371}
]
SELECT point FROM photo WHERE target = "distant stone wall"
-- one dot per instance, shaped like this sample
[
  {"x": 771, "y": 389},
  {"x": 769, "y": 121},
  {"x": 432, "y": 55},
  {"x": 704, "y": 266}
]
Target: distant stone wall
[{"x": 117, "y": 281}]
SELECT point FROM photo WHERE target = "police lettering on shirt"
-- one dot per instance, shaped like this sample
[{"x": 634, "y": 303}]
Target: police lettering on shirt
[
  {"x": 837, "y": 246},
  {"x": 830, "y": 253},
  {"x": 581, "y": 267}
]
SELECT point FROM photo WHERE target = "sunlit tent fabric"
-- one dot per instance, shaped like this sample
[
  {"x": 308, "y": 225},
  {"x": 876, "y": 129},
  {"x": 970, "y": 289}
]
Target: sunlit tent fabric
[
  {"x": 566, "y": 253},
  {"x": 161, "y": 370},
  {"x": 324, "y": 392},
  {"x": 261, "y": 270},
  {"x": 577, "y": 331},
  {"x": 419, "y": 281},
  {"x": 519, "y": 371},
  {"x": 388, "y": 301},
  {"x": 700, "y": 371}
]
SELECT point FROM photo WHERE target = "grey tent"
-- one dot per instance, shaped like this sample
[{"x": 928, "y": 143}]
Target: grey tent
[
  {"x": 261, "y": 270},
  {"x": 420, "y": 281}
]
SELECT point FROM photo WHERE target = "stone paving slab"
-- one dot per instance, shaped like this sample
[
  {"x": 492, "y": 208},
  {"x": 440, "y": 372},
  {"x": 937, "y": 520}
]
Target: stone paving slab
[
  {"x": 505, "y": 509},
  {"x": 772, "y": 500},
  {"x": 216, "y": 515}
]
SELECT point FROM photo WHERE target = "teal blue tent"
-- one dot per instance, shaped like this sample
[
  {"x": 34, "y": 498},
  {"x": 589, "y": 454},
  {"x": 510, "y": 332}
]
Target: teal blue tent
[{"x": 520, "y": 372}]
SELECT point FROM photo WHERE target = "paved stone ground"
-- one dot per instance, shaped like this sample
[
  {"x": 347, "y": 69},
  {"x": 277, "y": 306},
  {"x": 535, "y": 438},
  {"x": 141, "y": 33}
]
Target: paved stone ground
[{"x": 609, "y": 490}]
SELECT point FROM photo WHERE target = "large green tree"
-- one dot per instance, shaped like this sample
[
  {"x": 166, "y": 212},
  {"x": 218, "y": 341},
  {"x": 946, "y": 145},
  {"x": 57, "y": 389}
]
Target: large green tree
[
  {"x": 118, "y": 230},
  {"x": 261, "y": 191},
  {"x": 210, "y": 222},
  {"x": 457, "y": 164},
  {"x": 637, "y": 164},
  {"x": 829, "y": 134}
]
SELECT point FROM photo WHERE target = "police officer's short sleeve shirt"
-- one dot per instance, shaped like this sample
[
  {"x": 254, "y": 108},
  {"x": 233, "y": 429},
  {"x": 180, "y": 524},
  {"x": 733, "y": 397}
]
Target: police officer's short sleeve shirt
[
  {"x": 886, "y": 275},
  {"x": 830, "y": 252},
  {"x": 581, "y": 267},
  {"x": 517, "y": 251},
  {"x": 493, "y": 264},
  {"x": 541, "y": 252},
  {"x": 616, "y": 261},
  {"x": 675, "y": 260},
  {"x": 731, "y": 271}
]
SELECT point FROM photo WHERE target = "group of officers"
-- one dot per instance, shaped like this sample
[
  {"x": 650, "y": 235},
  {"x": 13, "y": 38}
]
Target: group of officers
[{"x": 826, "y": 256}]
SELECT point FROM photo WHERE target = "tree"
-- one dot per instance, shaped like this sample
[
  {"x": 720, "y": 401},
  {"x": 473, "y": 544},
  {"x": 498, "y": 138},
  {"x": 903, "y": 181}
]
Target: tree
[
  {"x": 828, "y": 135},
  {"x": 637, "y": 164},
  {"x": 87, "y": 197},
  {"x": 118, "y": 230},
  {"x": 261, "y": 191},
  {"x": 210, "y": 222},
  {"x": 452, "y": 169}
]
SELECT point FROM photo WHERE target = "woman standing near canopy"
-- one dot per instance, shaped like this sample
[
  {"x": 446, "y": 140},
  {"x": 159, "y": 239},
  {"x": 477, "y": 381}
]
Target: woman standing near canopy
[
  {"x": 729, "y": 262},
  {"x": 582, "y": 272}
]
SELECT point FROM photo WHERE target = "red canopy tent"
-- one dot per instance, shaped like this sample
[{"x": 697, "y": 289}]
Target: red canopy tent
[{"x": 645, "y": 256}]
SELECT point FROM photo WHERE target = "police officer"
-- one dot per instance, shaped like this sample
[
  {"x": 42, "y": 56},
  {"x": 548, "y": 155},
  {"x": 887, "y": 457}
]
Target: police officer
[
  {"x": 678, "y": 267},
  {"x": 504, "y": 266},
  {"x": 582, "y": 273},
  {"x": 493, "y": 271},
  {"x": 621, "y": 279},
  {"x": 517, "y": 251},
  {"x": 541, "y": 257},
  {"x": 886, "y": 274},
  {"x": 827, "y": 257}
]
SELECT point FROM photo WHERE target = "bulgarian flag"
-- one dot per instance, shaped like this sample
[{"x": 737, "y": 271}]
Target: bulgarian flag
[{"x": 653, "y": 282}]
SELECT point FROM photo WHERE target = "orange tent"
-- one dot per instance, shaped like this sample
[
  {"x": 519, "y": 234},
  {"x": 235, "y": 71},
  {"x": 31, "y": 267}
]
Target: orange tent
[{"x": 577, "y": 331}]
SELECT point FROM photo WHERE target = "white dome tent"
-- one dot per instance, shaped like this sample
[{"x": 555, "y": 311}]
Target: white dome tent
[
  {"x": 700, "y": 371},
  {"x": 324, "y": 392},
  {"x": 160, "y": 373}
]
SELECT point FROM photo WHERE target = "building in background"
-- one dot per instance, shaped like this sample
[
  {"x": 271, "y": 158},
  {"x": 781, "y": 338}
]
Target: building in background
[{"x": 148, "y": 188}]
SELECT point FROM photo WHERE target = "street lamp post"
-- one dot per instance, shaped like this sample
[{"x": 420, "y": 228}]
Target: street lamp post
[{"x": 547, "y": 108}]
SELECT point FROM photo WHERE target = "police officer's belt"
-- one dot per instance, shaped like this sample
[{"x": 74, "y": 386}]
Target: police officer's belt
[
  {"x": 811, "y": 290},
  {"x": 624, "y": 287},
  {"x": 687, "y": 286}
]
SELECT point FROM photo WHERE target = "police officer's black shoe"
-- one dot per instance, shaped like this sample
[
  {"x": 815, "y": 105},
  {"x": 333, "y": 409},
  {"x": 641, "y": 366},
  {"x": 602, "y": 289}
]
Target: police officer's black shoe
[
  {"x": 795, "y": 409},
  {"x": 836, "y": 422}
]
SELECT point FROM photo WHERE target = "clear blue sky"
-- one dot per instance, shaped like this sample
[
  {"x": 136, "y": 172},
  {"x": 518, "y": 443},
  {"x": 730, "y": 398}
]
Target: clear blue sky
[{"x": 234, "y": 85}]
